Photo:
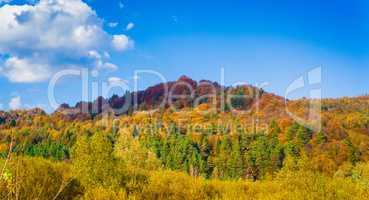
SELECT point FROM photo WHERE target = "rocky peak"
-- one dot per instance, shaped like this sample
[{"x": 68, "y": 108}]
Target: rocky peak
[{"x": 187, "y": 80}]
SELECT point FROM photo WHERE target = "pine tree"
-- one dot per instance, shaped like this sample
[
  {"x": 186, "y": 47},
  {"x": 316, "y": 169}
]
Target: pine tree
[
  {"x": 291, "y": 132},
  {"x": 274, "y": 129},
  {"x": 354, "y": 153},
  {"x": 301, "y": 137},
  {"x": 13, "y": 123},
  {"x": 258, "y": 157},
  {"x": 222, "y": 156},
  {"x": 321, "y": 138},
  {"x": 235, "y": 163},
  {"x": 276, "y": 148}
]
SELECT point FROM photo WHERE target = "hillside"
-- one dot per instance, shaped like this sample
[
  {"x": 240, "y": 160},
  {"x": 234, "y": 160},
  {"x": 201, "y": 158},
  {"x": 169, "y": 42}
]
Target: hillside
[{"x": 257, "y": 150}]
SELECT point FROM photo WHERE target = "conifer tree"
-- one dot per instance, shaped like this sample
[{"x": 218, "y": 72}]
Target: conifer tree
[{"x": 321, "y": 137}]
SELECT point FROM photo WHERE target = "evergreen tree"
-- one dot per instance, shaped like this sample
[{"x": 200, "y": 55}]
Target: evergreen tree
[
  {"x": 354, "y": 153},
  {"x": 258, "y": 156},
  {"x": 291, "y": 132},
  {"x": 302, "y": 137},
  {"x": 221, "y": 159},
  {"x": 274, "y": 129},
  {"x": 235, "y": 163},
  {"x": 13, "y": 123},
  {"x": 321, "y": 137},
  {"x": 276, "y": 148}
]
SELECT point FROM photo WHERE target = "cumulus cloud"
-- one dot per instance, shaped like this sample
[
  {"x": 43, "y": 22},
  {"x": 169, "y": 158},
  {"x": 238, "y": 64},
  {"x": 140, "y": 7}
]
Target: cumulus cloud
[
  {"x": 15, "y": 103},
  {"x": 36, "y": 40},
  {"x": 121, "y": 42},
  {"x": 25, "y": 70},
  {"x": 130, "y": 26},
  {"x": 116, "y": 81}
]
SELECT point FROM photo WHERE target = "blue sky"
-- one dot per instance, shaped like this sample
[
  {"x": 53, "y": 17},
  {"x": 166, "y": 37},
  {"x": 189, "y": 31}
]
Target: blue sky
[{"x": 256, "y": 42}]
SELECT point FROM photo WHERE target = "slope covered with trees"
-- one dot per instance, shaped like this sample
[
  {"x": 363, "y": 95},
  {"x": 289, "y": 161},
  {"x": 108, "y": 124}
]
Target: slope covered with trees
[{"x": 188, "y": 153}]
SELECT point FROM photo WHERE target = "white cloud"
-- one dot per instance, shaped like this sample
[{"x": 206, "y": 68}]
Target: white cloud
[
  {"x": 50, "y": 35},
  {"x": 25, "y": 70},
  {"x": 130, "y": 26},
  {"x": 15, "y": 103},
  {"x": 121, "y": 42},
  {"x": 94, "y": 54},
  {"x": 109, "y": 66},
  {"x": 102, "y": 65},
  {"x": 116, "y": 81},
  {"x": 113, "y": 24}
]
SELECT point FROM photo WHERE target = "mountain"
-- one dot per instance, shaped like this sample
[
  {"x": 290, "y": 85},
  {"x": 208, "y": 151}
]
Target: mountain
[{"x": 184, "y": 93}]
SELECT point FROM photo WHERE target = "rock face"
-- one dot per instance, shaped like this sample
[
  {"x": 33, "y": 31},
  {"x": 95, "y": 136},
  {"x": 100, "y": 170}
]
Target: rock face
[{"x": 180, "y": 94}]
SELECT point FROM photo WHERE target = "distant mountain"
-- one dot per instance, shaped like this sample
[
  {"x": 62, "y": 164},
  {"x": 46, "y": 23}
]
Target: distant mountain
[{"x": 183, "y": 93}]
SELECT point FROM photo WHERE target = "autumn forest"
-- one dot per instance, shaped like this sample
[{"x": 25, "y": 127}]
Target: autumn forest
[{"x": 249, "y": 149}]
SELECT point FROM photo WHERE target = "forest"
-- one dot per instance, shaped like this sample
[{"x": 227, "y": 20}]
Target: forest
[{"x": 191, "y": 153}]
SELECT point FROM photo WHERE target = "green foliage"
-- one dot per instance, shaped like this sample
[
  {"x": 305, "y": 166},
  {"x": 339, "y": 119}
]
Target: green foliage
[
  {"x": 48, "y": 149},
  {"x": 303, "y": 136},
  {"x": 292, "y": 130},
  {"x": 13, "y": 123},
  {"x": 238, "y": 101},
  {"x": 2, "y": 120},
  {"x": 321, "y": 137},
  {"x": 354, "y": 153}
]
